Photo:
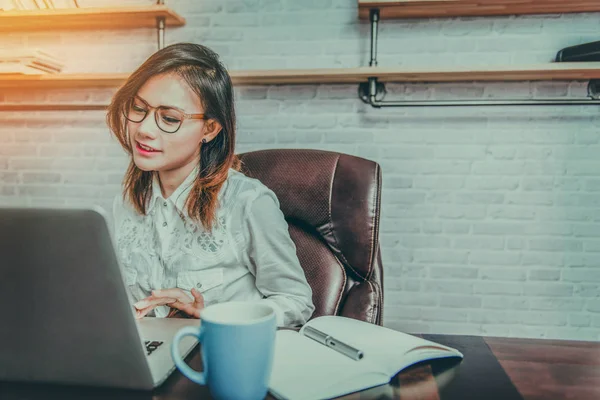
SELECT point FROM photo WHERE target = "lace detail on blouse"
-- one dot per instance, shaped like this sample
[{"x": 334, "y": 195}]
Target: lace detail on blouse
[
  {"x": 210, "y": 242},
  {"x": 134, "y": 235}
]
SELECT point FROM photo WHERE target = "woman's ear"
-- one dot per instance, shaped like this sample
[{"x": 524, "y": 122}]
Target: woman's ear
[{"x": 211, "y": 129}]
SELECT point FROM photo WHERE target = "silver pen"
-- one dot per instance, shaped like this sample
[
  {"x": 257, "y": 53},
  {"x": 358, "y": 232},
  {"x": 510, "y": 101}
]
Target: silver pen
[{"x": 333, "y": 343}]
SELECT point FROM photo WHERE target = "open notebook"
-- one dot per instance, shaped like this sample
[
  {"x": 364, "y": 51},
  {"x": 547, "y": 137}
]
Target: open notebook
[{"x": 304, "y": 368}]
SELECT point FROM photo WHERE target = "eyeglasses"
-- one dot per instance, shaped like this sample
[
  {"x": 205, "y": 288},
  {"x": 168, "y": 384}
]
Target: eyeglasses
[{"x": 169, "y": 120}]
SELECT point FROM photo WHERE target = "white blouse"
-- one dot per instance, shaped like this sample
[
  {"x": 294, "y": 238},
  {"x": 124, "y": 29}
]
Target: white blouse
[{"x": 248, "y": 256}]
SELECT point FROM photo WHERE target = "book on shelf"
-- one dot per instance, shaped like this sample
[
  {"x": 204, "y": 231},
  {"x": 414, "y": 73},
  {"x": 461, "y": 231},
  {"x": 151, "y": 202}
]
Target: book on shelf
[
  {"x": 8, "y": 5},
  {"x": 24, "y": 69},
  {"x": 33, "y": 60},
  {"x": 333, "y": 356},
  {"x": 28, "y": 61},
  {"x": 62, "y": 3},
  {"x": 40, "y": 4},
  {"x": 25, "y": 4}
]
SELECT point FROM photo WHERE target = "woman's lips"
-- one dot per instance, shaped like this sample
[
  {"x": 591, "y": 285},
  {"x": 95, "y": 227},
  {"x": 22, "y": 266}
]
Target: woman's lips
[{"x": 145, "y": 150}]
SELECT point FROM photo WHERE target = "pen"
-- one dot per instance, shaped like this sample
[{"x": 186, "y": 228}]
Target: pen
[{"x": 333, "y": 343}]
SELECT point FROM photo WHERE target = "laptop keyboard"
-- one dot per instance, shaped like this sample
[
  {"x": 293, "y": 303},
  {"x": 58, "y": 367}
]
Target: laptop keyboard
[{"x": 151, "y": 345}]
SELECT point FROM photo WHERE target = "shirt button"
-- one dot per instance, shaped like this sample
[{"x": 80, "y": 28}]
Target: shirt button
[
  {"x": 199, "y": 285},
  {"x": 165, "y": 204},
  {"x": 164, "y": 224}
]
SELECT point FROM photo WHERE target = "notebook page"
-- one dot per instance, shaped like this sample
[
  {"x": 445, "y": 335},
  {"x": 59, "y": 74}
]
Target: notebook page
[
  {"x": 303, "y": 368},
  {"x": 389, "y": 349}
]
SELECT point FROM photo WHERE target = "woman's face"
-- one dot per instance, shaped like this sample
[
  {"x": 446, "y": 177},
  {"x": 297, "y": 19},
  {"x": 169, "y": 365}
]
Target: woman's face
[{"x": 155, "y": 150}]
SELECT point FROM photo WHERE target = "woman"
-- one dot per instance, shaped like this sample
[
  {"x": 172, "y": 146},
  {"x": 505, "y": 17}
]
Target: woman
[{"x": 191, "y": 230}]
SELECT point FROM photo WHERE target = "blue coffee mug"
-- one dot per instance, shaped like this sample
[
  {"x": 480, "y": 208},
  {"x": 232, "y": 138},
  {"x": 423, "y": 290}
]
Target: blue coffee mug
[{"x": 237, "y": 341}]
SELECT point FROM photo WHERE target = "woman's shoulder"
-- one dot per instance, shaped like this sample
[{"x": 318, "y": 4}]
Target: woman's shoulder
[{"x": 242, "y": 188}]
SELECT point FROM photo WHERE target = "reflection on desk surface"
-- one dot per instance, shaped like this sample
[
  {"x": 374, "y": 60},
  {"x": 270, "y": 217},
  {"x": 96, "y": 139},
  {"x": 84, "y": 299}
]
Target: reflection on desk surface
[{"x": 492, "y": 369}]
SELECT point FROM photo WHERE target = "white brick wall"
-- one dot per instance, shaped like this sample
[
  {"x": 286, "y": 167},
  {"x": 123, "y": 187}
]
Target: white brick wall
[{"x": 490, "y": 215}]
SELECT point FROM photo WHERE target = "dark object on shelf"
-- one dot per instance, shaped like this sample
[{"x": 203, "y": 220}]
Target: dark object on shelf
[{"x": 581, "y": 52}]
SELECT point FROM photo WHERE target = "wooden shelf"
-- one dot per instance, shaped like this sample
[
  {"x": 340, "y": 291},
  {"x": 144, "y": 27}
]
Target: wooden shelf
[
  {"x": 389, "y": 9},
  {"x": 551, "y": 71},
  {"x": 540, "y": 72},
  {"x": 62, "y": 81},
  {"x": 88, "y": 18}
]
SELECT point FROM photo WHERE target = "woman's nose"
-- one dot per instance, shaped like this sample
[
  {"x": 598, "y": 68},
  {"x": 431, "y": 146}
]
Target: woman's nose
[{"x": 148, "y": 126}]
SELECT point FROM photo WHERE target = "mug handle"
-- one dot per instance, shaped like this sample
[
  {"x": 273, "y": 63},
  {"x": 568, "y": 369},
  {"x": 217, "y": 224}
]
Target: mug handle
[{"x": 191, "y": 374}]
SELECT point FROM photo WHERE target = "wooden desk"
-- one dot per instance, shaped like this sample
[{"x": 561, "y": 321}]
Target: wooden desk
[{"x": 493, "y": 368}]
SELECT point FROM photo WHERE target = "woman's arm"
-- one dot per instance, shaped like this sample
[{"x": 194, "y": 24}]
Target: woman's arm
[{"x": 270, "y": 254}]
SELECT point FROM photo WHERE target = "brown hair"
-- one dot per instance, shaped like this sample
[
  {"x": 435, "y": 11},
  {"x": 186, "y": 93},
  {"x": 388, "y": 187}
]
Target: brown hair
[{"x": 202, "y": 70}]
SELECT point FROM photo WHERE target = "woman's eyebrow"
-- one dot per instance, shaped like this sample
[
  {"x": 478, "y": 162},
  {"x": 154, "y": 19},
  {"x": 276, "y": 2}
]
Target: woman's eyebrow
[{"x": 163, "y": 106}]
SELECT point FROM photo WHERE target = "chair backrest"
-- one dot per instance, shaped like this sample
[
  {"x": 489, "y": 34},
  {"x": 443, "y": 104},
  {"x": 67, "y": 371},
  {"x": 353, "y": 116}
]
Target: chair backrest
[{"x": 331, "y": 202}]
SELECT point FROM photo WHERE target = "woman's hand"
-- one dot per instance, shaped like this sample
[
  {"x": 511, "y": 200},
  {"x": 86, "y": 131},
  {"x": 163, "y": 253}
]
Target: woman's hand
[{"x": 174, "y": 298}]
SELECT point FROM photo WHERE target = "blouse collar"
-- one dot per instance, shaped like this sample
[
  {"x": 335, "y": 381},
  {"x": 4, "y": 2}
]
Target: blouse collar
[{"x": 178, "y": 197}]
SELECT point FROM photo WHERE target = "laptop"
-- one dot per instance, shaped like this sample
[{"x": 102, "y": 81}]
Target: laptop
[{"x": 66, "y": 311}]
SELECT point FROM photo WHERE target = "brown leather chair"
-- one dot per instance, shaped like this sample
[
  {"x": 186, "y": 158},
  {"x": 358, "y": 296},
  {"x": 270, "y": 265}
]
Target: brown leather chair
[{"x": 331, "y": 202}]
